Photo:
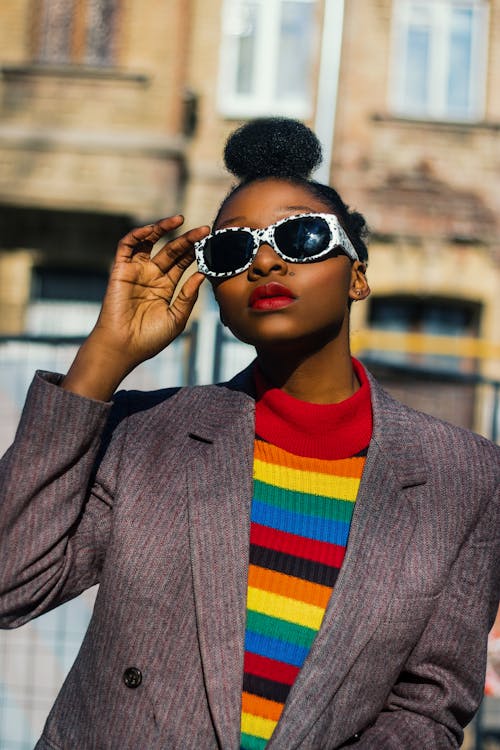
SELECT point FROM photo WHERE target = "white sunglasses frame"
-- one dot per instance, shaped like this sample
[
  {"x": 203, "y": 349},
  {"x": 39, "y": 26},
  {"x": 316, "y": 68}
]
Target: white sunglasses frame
[{"x": 338, "y": 238}]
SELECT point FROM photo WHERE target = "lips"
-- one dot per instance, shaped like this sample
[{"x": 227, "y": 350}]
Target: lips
[{"x": 270, "y": 296}]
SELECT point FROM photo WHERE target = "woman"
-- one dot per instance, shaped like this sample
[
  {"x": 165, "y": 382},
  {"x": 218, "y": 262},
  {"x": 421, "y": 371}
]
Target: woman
[{"x": 288, "y": 560}]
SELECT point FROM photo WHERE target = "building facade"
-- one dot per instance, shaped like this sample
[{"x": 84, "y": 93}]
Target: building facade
[{"x": 114, "y": 112}]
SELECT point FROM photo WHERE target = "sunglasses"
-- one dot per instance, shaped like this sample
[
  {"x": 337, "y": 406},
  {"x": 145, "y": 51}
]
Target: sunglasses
[{"x": 297, "y": 239}]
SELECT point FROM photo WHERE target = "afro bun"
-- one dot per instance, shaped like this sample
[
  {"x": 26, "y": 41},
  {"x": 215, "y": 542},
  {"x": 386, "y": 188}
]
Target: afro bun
[{"x": 272, "y": 147}]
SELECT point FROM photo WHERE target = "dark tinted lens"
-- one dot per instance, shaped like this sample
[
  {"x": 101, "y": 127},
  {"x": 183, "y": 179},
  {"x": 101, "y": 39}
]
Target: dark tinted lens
[
  {"x": 303, "y": 238},
  {"x": 225, "y": 253}
]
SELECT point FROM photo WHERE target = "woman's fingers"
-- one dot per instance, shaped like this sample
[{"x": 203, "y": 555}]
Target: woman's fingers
[
  {"x": 173, "y": 258},
  {"x": 178, "y": 254},
  {"x": 181, "y": 307},
  {"x": 163, "y": 270},
  {"x": 142, "y": 239}
]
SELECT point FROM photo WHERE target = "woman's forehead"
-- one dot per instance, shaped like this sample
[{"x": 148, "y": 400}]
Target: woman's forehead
[{"x": 264, "y": 202}]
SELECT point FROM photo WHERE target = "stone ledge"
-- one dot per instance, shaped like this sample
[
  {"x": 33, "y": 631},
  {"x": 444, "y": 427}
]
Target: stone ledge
[
  {"x": 72, "y": 71},
  {"x": 58, "y": 139},
  {"x": 436, "y": 125}
]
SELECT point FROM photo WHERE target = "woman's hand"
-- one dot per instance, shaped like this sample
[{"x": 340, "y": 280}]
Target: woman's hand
[{"x": 139, "y": 316}]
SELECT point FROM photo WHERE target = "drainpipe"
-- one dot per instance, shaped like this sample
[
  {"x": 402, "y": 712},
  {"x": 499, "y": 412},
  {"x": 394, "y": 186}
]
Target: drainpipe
[{"x": 328, "y": 83}]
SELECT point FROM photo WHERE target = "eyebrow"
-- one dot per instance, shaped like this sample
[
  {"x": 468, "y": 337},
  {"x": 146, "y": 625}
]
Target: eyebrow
[
  {"x": 283, "y": 210},
  {"x": 231, "y": 220}
]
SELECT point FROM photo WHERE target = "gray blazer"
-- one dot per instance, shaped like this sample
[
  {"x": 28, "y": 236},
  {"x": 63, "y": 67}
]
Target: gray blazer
[{"x": 151, "y": 499}]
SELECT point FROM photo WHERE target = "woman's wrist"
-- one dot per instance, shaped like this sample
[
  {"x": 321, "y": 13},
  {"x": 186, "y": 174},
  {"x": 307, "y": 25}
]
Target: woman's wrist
[{"x": 96, "y": 371}]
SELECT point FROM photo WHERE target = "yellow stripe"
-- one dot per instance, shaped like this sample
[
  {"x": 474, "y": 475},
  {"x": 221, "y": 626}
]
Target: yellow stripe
[
  {"x": 284, "y": 608},
  {"x": 339, "y": 467},
  {"x": 257, "y": 726},
  {"x": 327, "y": 485}
]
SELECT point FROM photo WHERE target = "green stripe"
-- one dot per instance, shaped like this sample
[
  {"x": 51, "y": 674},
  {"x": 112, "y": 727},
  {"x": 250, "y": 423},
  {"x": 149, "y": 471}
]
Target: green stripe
[
  {"x": 248, "y": 742},
  {"x": 334, "y": 509},
  {"x": 276, "y": 628}
]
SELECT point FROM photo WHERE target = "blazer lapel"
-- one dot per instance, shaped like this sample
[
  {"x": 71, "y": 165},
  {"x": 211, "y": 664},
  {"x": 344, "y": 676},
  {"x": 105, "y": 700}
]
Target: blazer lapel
[
  {"x": 220, "y": 492},
  {"x": 381, "y": 529}
]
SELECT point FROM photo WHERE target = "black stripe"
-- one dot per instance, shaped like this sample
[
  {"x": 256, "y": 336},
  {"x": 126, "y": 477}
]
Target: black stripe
[
  {"x": 361, "y": 453},
  {"x": 273, "y": 691},
  {"x": 282, "y": 562}
]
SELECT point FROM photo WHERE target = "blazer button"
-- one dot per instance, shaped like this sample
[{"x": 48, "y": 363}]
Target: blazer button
[{"x": 132, "y": 677}]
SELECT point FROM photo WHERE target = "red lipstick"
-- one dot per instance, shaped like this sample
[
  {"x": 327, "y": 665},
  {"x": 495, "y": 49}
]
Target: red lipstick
[{"x": 272, "y": 296}]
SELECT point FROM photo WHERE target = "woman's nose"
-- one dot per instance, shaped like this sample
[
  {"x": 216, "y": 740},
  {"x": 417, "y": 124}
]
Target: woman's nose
[{"x": 266, "y": 261}]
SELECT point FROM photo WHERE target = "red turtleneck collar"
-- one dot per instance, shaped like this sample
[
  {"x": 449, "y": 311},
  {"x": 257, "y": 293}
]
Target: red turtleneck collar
[{"x": 325, "y": 431}]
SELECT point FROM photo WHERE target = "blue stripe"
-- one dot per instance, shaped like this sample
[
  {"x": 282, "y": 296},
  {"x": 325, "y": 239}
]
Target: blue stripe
[
  {"x": 311, "y": 527},
  {"x": 273, "y": 648},
  {"x": 298, "y": 502}
]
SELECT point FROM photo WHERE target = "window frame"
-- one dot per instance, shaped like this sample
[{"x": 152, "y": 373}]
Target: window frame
[
  {"x": 64, "y": 300},
  {"x": 436, "y": 106},
  {"x": 74, "y": 40},
  {"x": 262, "y": 101}
]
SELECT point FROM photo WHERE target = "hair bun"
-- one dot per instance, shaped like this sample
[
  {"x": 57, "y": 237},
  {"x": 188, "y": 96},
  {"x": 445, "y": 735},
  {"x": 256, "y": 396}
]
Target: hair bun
[{"x": 272, "y": 147}]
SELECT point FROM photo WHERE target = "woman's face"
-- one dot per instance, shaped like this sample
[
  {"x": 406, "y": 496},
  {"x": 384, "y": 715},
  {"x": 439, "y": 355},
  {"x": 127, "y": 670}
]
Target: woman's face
[{"x": 313, "y": 308}]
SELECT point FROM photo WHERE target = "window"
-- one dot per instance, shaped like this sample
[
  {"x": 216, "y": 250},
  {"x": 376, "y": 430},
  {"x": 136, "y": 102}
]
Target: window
[
  {"x": 267, "y": 55},
  {"x": 76, "y": 31},
  {"x": 410, "y": 358},
  {"x": 64, "y": 301},
  {"x": 429, "y": 317},
  {"x": 439, "y": 58}
]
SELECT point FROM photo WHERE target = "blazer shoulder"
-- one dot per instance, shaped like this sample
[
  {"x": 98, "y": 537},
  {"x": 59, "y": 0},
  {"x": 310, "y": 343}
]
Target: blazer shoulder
[
  {"x": 178, "y": 404},
  {"x": 451, "y": 435},
  {"x": 440, "y": 440}
]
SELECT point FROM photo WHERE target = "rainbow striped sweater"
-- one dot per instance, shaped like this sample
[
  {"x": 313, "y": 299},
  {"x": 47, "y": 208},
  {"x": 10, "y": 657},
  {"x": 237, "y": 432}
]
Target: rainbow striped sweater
[{"x": 308, "y": 461}]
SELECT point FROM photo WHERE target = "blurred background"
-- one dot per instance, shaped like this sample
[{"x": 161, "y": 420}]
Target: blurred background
[{"x": 115, "y": 112}]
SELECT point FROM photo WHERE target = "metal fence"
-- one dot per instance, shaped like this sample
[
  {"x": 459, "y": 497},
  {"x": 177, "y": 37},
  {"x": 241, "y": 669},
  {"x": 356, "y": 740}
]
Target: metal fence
[{"x": 34, "y": 659}]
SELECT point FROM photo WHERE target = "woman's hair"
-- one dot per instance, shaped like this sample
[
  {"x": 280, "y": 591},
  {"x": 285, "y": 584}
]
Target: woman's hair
[{"x": 285, "y": 149}]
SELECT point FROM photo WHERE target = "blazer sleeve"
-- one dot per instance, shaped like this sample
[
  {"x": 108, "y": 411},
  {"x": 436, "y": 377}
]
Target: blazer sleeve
[
  {"x": 55, "y": 513},
  {"x": 442, "y": 683}
]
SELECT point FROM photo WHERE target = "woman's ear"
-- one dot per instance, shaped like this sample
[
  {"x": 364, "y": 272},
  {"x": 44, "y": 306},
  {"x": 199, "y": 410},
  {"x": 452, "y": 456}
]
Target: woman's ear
[{"x": 359, "y": 288}]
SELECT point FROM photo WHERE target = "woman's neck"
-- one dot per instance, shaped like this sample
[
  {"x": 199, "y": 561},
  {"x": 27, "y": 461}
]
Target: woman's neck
[{"x": 325, "y": 376}]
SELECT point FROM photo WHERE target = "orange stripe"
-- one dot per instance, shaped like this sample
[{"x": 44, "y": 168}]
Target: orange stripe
[
  {"x": 289, "y": 586},
  {"x": 342, "y": 467},
  {"x": 253, "y": 704}
]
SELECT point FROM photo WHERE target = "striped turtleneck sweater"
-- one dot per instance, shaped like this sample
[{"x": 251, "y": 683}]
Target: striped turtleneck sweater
[{"x": 308, "y": 461}]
